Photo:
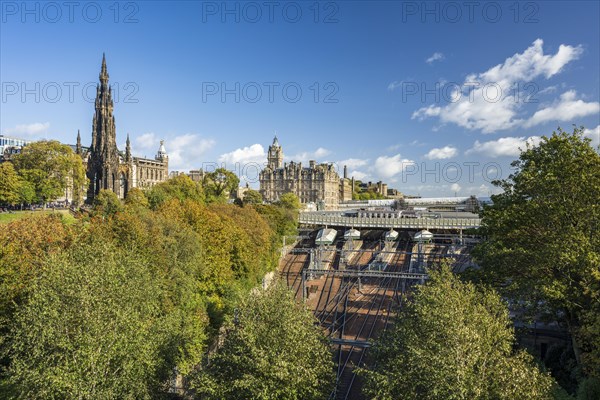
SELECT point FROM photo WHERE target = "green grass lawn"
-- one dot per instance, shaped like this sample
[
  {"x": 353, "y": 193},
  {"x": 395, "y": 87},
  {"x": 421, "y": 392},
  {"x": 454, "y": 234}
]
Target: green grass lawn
[{"x": 5, "y": 218}]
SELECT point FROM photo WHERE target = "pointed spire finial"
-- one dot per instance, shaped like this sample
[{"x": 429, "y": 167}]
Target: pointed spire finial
[
  {"x": 103, "y": 70},
  {"x": 78, "y": 145}
]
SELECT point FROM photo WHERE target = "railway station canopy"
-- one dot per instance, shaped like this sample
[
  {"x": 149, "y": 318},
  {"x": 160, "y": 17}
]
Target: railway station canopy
[
  {"x": 325, "y": 236},
  {"x": 423, "y": 236},
  {"x": 352, "y": 234}
]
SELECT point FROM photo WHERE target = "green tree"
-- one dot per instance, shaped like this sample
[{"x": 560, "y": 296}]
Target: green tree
[
  {"x": 543, "y": 238},
  {"x": 253, "y": 197},
  {"x": 10, "y": 184},
  {"x": 50, "y": 167},
  {"x": 220, "y": 184},
  {"x": 25, "y": 244},
  {"x": 136, "y": 197},
  {"x": 91, "y": 328},
  {"x": 106, "y": 203},
  {"x": 452, "y": 341},
  {"x": 26, "y": 192},
  {"x": 589, "y": 389},
  {"x": 289, "y": 201},
  {"x": 272, "y": 350},
  {"x": 283, "y": 222},
  {"x": 174, "y": 255},
  {"x": 181, "y": 187}
]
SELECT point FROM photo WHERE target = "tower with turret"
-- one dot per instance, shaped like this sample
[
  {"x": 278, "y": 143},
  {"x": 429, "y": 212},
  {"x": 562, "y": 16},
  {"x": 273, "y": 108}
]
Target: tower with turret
[{"x": 275, "y": 156}]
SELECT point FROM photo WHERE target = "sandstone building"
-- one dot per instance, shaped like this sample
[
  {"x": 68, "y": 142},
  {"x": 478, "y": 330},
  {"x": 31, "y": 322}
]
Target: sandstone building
[
  {"x": 106, "y": 166},
  {"x": 317, "y": 183}
]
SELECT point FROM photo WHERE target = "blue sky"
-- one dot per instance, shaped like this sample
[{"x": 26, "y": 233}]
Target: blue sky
[{"x": 434, "y": 98}]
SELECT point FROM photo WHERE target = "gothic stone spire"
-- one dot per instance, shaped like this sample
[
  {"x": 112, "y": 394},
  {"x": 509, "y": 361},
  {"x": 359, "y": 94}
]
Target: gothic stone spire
[
  {"x": 78, "y": 145},
  {"x": 103, "y": 165},
  {"x": 128, "y": 149},
  {"x": 103, "y": 71}
]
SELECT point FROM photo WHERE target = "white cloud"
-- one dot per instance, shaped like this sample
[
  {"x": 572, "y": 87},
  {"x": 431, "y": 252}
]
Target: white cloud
[
  {"x": 352, "y": 163},
  {"x": 37, "y": 128},
  {"x": 358, "y": 175},
  {"x": 483, "y": 190},
  {"x": 437, "y": 56},
  {"x": 455, "y": 187},
  {"x": 549, "y": 89},
  {"x": 507, "y": 146},
  {"x": 310, "y": 155},
  {"x": 146, "y": 141},
  {"x": 321, "y": 152},
  {"x": 593, "y": 134},
  {"x": 251, "y": 154},
  {"x": 387, "y": 167},
  {"x": 442, "y": 153},
  {"x": 184, "y": 150},
  {"x": 567, "y": 108},
  {"x": 487, "y": 101}
]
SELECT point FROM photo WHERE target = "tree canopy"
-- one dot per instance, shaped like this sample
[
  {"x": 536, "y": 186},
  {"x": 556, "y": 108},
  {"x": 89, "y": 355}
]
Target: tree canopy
[
  {"x": 10, "y": 184},
  {"x": 289, "y": 201},
  {"x": 220, "y": 184},
  {"x": 50, "y": 168},
  {"x": 452, "y": 340},
  {"x": 107, "y": 203},
  {"x": 252, "y": 197},
  {"x": 543, "y": 240},
  {"x": 193, "y": 261},
  {"x": 180, "y": 187},
  {"x": 92, "y": 327},
  {"x": 272, "y": 350}
]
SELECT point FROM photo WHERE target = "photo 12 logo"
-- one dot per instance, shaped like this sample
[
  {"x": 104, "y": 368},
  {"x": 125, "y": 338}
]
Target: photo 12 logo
[
  {"x": 432, "y": 172},
  {"x": 453, "y": 12},
  {"x": 53, "y": 12},
  {"x": 451, "y": 172},
  {"x": 252, "y": 12},
  {"x": 452, "y": 92},
  {"x": 54, "y": 92},
  {"x": 254, "y": 92}
]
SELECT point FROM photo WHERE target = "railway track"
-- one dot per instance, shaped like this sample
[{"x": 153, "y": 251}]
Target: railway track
[
  {"x": 354, "y": 310},
  {"x": 361, "y": 321}
]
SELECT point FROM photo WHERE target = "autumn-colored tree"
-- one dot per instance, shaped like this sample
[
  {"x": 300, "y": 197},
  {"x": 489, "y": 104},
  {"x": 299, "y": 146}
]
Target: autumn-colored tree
[
  {"x": 254, "y": 253},
  {"x": 174, "y": 255},
  {"x": 202, "y": 258},
  {"x": 136, "y": 198},
  {"x": 25, "y": 244}
]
